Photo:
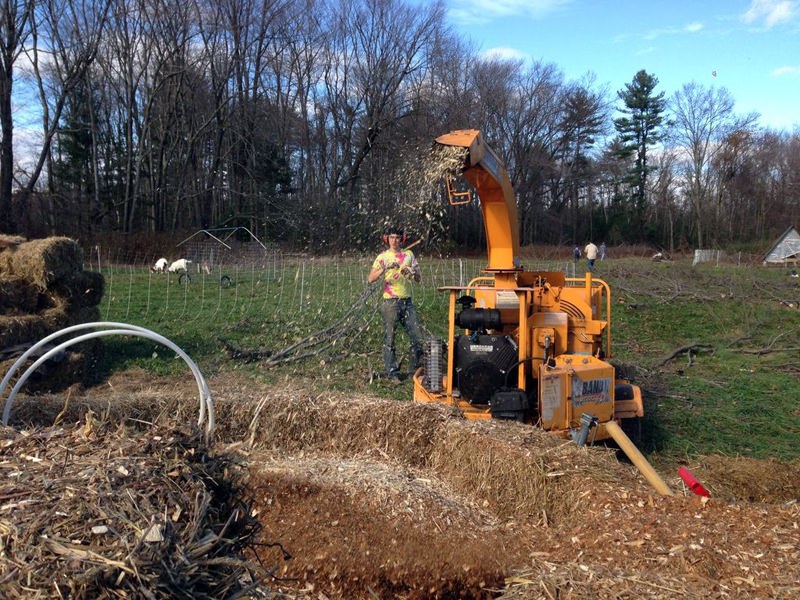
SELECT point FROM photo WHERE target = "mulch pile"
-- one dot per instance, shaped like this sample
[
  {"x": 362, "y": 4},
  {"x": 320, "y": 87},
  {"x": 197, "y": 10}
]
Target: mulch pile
[
  {"x": 412, "y": 501},
  {"x": 340, "y": 495},
  {"x": 43, "y": 288}
]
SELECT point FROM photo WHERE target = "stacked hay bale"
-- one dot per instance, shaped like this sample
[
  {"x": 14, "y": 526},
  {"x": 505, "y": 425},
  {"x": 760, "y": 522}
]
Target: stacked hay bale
[{"x": 43, "y": 288}]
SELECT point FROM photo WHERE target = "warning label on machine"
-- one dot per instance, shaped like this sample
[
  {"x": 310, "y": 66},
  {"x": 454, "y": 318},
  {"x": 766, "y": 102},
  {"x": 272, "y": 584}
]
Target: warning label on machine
[{"x": 551, "y": 399}]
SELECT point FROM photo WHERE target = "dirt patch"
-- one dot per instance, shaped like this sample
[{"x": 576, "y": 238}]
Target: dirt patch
[
  {"x": 361, "y": 497},
  {"x": 385, "y": 532}
]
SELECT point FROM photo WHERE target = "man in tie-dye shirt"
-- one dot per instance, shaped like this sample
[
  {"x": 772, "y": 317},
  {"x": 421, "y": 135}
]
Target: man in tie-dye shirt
[{"x": 398, "y": 268}]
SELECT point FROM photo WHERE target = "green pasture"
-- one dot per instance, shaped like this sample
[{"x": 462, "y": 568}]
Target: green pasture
[{"x": 735, "y": 392}]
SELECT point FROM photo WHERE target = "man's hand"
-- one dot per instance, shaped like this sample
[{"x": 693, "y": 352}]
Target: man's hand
[{"x": 410, "y": 273}]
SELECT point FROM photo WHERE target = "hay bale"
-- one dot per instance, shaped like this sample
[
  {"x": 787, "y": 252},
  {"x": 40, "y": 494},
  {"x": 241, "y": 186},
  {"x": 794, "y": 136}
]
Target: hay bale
[
  {"x": 21, "y": 329},
  {"x": 63, "y": 370},
  {"x": 43, "y": 262},
  {"x": 57, "y": 374},
  {"x": 18, "y": 296},
  {"x": 10, "y": 241},
  {"x": 80, "y": 289},
  {"x": 28, "y": 329}
]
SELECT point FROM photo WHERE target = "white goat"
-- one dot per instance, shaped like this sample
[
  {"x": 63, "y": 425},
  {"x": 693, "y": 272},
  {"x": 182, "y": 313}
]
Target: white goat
[
  {"x": 160, "y": 266},
  {"x": 180, "y": 266}
]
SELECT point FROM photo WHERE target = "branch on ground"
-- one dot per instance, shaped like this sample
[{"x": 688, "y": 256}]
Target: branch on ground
[
  {"x": 689, "y": 350},
  {"x": 770, "y": 347},
  {"x": 242, "y": 354}
]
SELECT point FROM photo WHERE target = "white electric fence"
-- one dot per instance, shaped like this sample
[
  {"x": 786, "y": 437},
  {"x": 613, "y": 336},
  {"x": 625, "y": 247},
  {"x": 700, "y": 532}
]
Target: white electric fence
[{"x": 285, "y": 287}]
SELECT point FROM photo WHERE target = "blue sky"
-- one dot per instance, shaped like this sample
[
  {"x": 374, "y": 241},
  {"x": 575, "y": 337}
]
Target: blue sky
[{"x": 751, "y": 47}]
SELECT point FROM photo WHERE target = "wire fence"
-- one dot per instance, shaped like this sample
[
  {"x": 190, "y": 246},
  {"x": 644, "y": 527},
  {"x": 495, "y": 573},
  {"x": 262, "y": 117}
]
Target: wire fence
[{"x": 285, "y": 287}]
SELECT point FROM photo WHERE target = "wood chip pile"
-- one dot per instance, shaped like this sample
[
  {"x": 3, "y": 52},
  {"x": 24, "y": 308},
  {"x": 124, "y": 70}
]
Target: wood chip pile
[
  {"x": 464, "y": 506},
  {"x": 95, "y": 511},
  {"x": 360, "y": 497},
  {"x": 522, "y": 471},
  {"x": 43, "y": 288}
]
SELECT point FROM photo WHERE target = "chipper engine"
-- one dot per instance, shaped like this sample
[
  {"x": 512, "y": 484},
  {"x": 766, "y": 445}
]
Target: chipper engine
[{"x": 526, "y": 345}]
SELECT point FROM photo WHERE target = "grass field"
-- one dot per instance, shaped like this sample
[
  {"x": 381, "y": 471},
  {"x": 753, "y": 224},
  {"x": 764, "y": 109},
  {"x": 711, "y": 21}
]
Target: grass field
[{"x": 736, "y": 392}]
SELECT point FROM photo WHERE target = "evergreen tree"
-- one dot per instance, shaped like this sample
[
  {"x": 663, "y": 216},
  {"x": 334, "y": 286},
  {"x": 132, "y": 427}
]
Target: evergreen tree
[{"x": 639, "y": 128}]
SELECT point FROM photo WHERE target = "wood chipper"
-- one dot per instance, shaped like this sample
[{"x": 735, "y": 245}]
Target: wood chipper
[{"x": 526, "y": 345}]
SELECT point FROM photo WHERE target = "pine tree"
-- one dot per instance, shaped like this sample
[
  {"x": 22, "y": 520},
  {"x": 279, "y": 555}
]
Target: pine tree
[{"x": 639, "y": 129}]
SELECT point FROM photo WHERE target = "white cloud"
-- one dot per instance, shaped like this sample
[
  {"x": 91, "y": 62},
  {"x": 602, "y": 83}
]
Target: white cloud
[
  {"x": 770, "y": 12},
  {"x": 654, "y": 34},
  {"x": 479, "y": 11},
  {"x": 505, "y": 53},
  {"x": 786, "y": 71}
]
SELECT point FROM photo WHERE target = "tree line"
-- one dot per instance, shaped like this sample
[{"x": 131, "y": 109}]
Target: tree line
[{"x": 301, "y": 119}]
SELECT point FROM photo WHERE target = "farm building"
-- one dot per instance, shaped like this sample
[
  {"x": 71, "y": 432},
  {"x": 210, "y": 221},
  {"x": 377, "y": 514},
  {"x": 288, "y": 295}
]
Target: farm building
[{"x": 785, "y": 251}]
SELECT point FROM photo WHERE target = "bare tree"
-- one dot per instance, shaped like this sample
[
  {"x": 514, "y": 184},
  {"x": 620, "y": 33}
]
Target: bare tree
[
  {"x": 664, "y": 192},
  {"x": 519, "y": 108},
  {"x": 15, "y": 18},
  {"x": 703, "y": 117},
  {"x": 65, "y": 38},
  {"x": 375, "y": 48}
]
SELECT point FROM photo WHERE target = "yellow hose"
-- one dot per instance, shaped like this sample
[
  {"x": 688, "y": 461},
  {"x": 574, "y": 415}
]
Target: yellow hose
[{"x": 639, "y": 461}]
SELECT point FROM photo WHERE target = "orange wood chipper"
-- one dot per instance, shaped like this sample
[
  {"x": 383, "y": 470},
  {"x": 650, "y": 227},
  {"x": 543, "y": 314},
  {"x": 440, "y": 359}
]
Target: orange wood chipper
[{"x": 533, "y": 346}]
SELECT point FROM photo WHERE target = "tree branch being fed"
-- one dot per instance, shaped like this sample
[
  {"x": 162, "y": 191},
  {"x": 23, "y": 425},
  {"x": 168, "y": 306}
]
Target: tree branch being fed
[{"x": 315, "y": 344}]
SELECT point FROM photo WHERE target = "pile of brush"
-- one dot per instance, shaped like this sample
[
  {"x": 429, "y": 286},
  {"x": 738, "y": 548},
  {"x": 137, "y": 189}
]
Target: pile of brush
[{"x": 98, "y": 510}]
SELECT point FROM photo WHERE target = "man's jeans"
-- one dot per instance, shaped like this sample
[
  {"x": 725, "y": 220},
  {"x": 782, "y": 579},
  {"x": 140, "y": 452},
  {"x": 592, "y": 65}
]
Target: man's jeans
[{"x": 394, "y": 311}]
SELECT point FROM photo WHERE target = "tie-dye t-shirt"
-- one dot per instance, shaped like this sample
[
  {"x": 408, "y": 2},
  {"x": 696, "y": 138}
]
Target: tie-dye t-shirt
[{"x": 395, "y": 284}]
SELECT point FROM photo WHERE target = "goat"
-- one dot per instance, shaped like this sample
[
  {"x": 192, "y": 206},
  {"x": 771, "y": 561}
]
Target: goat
[
  {"x": 180, "y": 266},
  {"x": 160, "y": 266}
]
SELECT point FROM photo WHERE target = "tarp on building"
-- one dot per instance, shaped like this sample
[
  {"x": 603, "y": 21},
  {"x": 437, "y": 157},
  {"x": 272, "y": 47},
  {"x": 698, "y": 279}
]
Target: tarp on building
[{"x": 786, "y": 250}]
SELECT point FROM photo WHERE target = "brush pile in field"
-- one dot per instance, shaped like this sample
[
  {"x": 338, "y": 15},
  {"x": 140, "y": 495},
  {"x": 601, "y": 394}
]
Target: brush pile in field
[
  {"x": 43, "y": 288},
  {"x": 98, "y": 511}
]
